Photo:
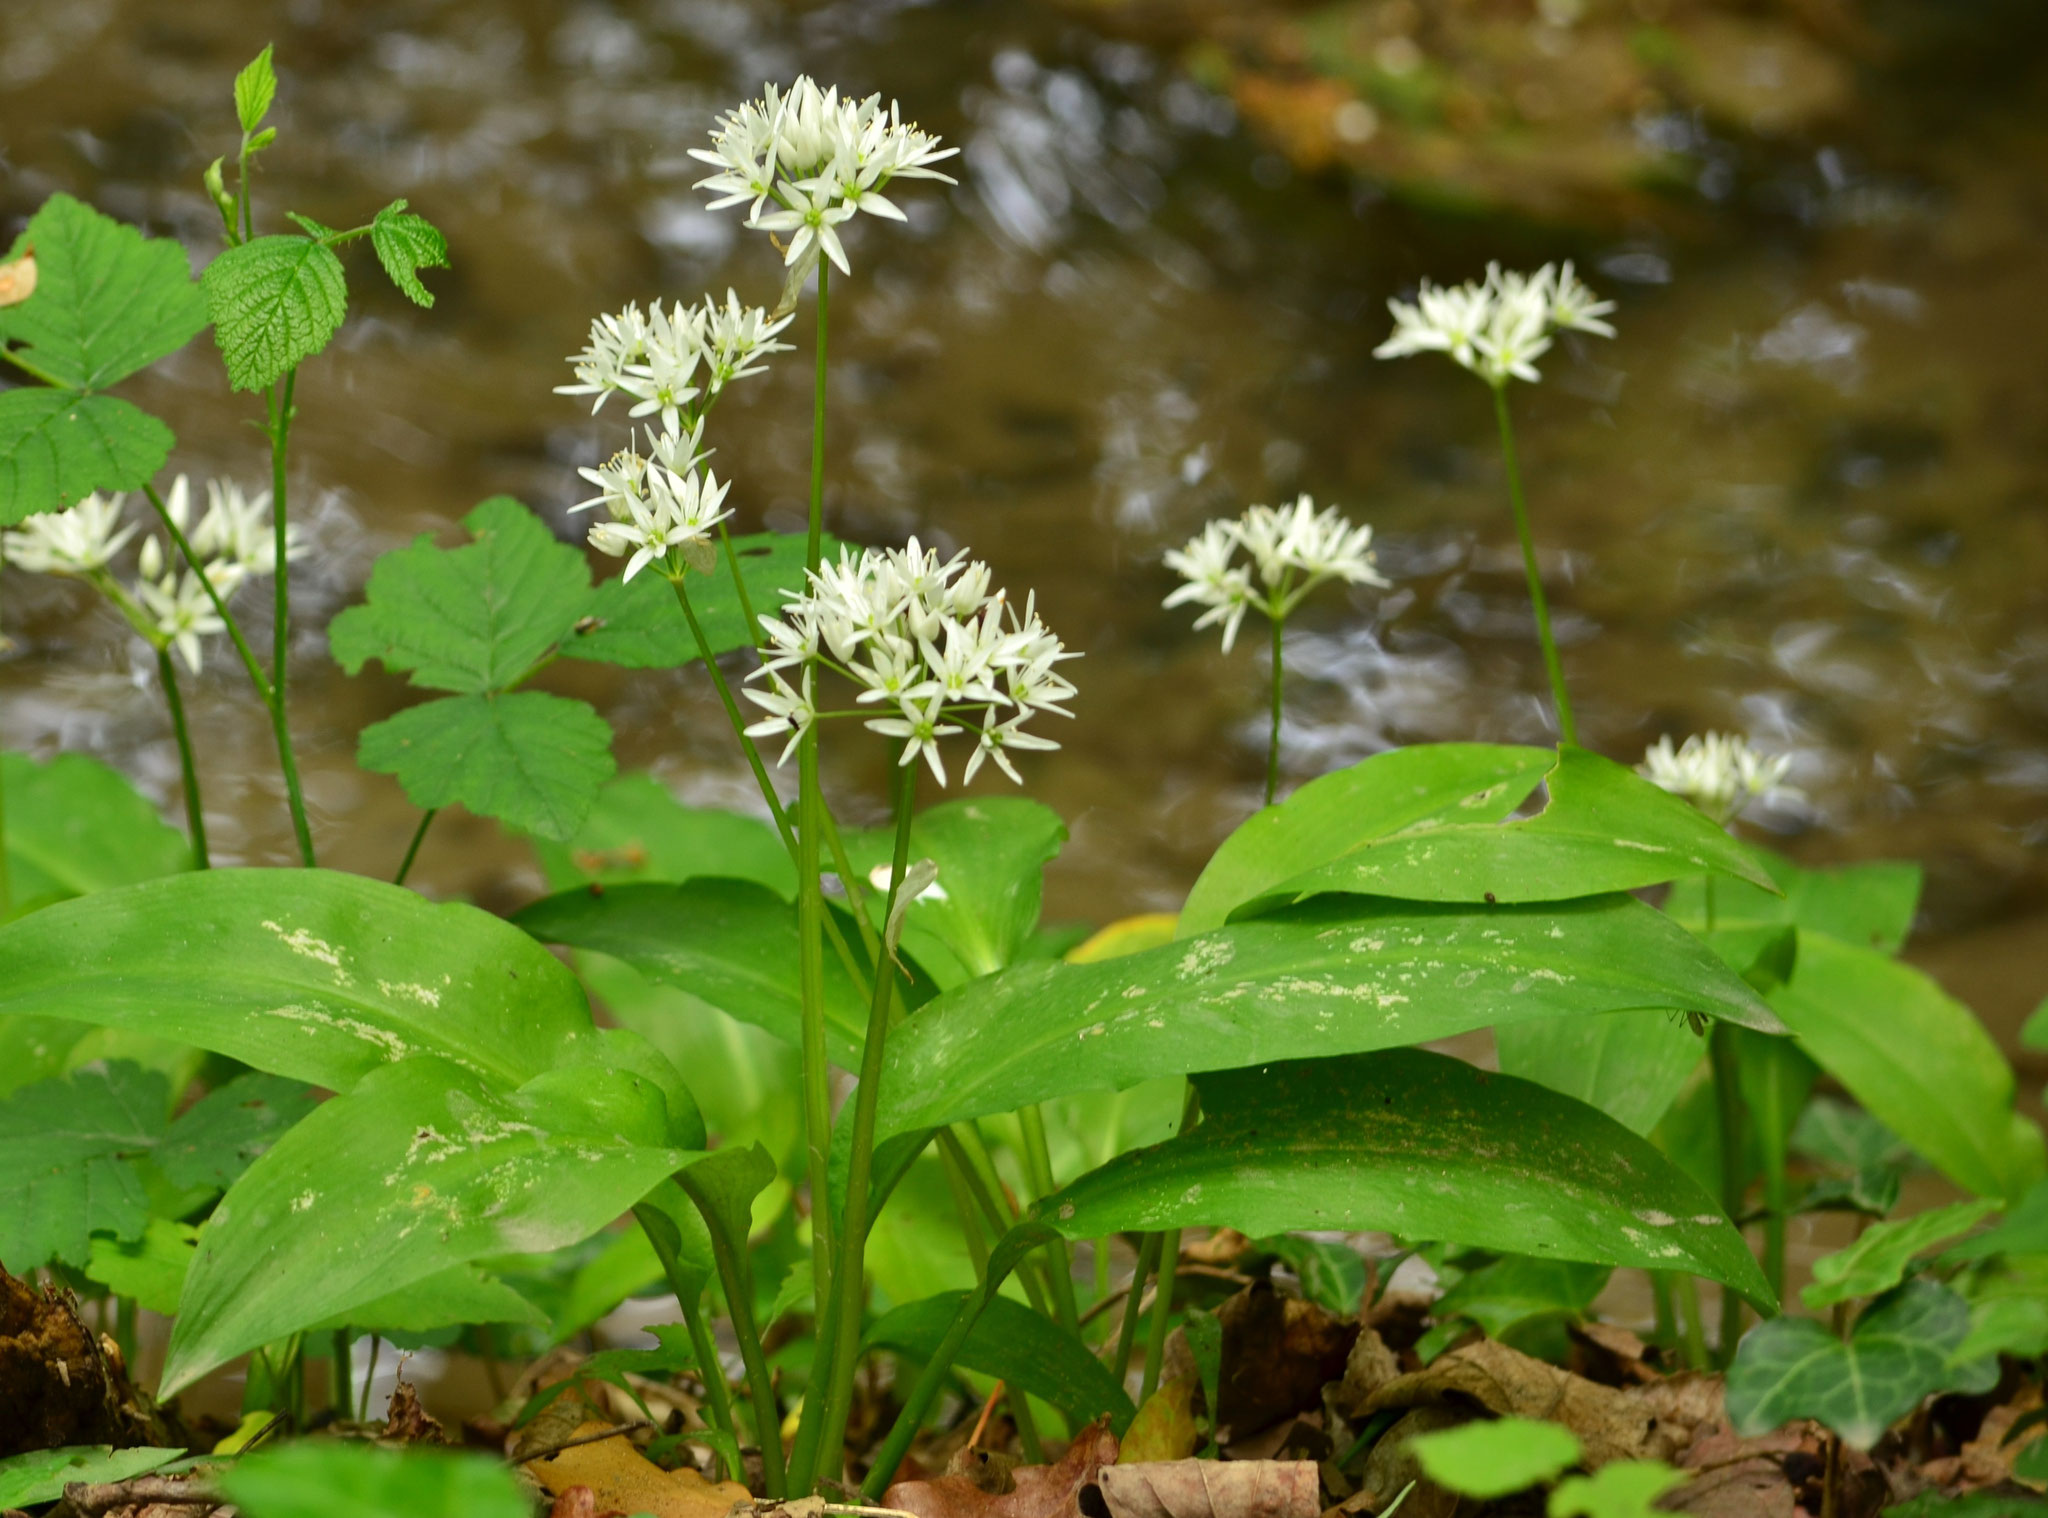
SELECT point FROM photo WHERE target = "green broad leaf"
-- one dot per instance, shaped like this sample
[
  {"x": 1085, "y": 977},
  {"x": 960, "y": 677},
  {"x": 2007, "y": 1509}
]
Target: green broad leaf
[
  {"x": 229, "y": 1129},
  {"x": 150, "y": 1269},
  {"x": 730, "y": 943},
  {"x": 41, "y": 1475},
  {"x": 1492, "y": 1458},
  {"x": 333, "y": 1478},
  {"x": 406, "y": 243},
  {"x": 255, "y": 89},
  {"x": 530, "y": 759},
  {"x": 75, "y": 825},
  {"x": 2034, "y": 1031},
  {"x": 1879, "y": 1258},
  {"x": 1427, "y": 785},
  {"x": 274, "y": 302},
  {"x": 1334, "y": 976},
  {"x": 457, "y": 1296},
  {"x": 626, "y": 1267},
  {"x": 638, "y": 831},
  {"x": 1623, "y": 1489},
  {"x": 424, "y": 1165},
  {"x": 640, "y": 625},
  {"x": 1795, "y": 1368},
  {"x": 1331, "y": 1275},
  {"x": 1917, "y": 1060},
  {"x": 2016, "y": 1326},
  {"x": 1015, "y": 1344},
  {"x": 1515, "y": 1289},
  {"x": 1423, "y": 1146},
  {"x": 1605, "y": 828},
  {"x": 57, "y": 448},
  {"x": 108, "y": 301},
  {"x": 977, "y": 916},
  {"x": 67, "y": 1152},
  {"x": 1630, "y": 1066},
  {"x": 1869, "y": 905},
  {"x": 473, "y": 619},
  {"x": 312, "y": 974},
  {"x": 2023, "y": 1231}
]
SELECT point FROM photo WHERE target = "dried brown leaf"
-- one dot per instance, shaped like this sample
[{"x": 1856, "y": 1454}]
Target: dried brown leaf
[
  {"x": 1041, "y": 1491},
  {"x": 1278, "y": 1353},
  {"x": 622, "y": 1479},
  {"x": 1213, "y": 1489}
]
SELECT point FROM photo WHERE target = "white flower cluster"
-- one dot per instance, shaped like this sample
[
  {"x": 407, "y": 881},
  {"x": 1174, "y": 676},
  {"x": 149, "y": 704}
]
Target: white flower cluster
[
  {"x": 658, "y": 508},
  {"x": 1719, "y": 773},
  {"x": 655, "y": 357},
  {"x": 1499, "y": 326},
  {"x": 1293, "y": 549},
  {"x": 168, "y": 604},
  {"x": 926, "y": 641},
  {"x": 820, "y": 159}
]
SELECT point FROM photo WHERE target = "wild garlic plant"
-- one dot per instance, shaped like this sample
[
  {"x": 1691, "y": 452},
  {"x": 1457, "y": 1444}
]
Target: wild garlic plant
[
  {"x": 1497, "y": 328},
  {"x": 1293, "y": 549}
]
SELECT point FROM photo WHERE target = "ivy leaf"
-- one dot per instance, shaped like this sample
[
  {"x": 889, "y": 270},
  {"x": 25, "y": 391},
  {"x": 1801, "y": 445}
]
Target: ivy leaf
[
  {"x": 528, "y": 758},
  {"x": 56, "y": 448},
  {"x": 66, "y": 1152},
  {"x": 275, "y": 301},
  {"x": 108, "y": 300},
  {"x": 471, "y": 619},
  {"x": 1794, "y": 1368},
  {"x": 255, "y": 88},
  {"x": 229, "y": 1129},
  {"x": 405, "y": 242},
  {"x": 641, "y": 625}
]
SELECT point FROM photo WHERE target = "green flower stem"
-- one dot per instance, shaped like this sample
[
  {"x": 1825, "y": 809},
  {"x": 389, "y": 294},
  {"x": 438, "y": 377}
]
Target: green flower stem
[
  {"x": 995, "y": 1205},
  {"x": 1726, "y": 1059},
  {"x": 1273, "y": 741},
  {"x": 690, "y": 1301},
  {"x": 732, "y": 712},
  {"x": 195, "y": 811},
  {"x": 1127, "y": 1331},
  {"x": 856, "y": 889},
  {"x": 1566, "y": 727},
  {"x": 814, "y": 544},
  {"x": 1692, "y": 1324},
  {"x": 1168, "y": 1273},
  {"x": 739, "y": 584},
  {"x": 6, "y": 877},
  {"x": 220, "y": 605},
  {"x": 737, "y": 1279},
  {"x": 281, "y": 638},
  {"x": 369, "y": 1376},
  {"x": 849, "y": 1278},
  {"x": 412, "y": 850},
  {"x": 817, "y": 1069},
  {"x": 342, "y": 1386},
  {"x": 1059, "y": 1261},
  {"x": 955, "y": 1165}
]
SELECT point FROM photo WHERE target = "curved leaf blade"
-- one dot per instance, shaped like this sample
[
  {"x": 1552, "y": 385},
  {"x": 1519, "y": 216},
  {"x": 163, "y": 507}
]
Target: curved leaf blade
[
  {"x": 1631, "y": 1065},
  {"x": 331, "y": 1478},
  {"x": 57, "y": 448},
  {"x": 275, "y": 301},
  {"x": 76, "y": 826},
  {"x": 1016, "y": 1345},
  {"x": 1423, "y": 1146},
  {"x": 1344, "y": 975}
]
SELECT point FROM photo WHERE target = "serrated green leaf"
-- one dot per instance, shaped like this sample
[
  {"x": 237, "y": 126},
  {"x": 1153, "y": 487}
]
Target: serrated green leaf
[
  {"x": 405, "y": 243},
  {"x": 75, "y": 825},
  {"x": 1342, "y": 974},
  {"x": 57, "y": 448},
  {"x": 150, "y": 1269},
  {"x": 1877, "y": 1261},
  {"x": 41, "y": 1475},
  {"x": 67, "y": 1147},
  {"x": 641, "y": 626},
  {"x": 638, "y": 831},
  {"x": 531, "y": 759},
  {"x": 472, "y": 619},
  {"x": 421, "y": 1166},
  {"x": 1420, "y": 1145},
  {"x": 255, "y": 88},
  {"x": 334, "y": 1478},
  {"x": 1492, "y": 1458},
  {"x": 1624, "y": 1489},
  {"x": 274, "y": 302},
  {"x": 1015, "y": 1344},
  {"x": 108, "y": 301},
  {"x": 315, "y": 229},
  {"x": 1795, "y": 1368},
  {"x": 229, "y": 1128}
]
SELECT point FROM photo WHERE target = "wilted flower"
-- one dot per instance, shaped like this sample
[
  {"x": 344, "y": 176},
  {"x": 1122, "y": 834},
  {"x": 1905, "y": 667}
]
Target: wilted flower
[
  {"x": 928, "y": 643},
  {"x": 821, "y": 159},
  {"x": 1497, "y": 327},
  {"x": 1720, "y": 773},
  {"x": 1293, "y": 549}
]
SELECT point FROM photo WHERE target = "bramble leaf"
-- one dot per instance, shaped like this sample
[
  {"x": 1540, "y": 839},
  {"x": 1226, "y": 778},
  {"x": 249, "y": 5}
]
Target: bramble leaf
[
  {"x": 230, "y": 1128},
  {"x": 151, "y": 1269},
  {"x": 275, "y": 301},
  {"x": 57, "y": 448},
  {"x": 641, "y": 625},
  {"x": 404, "y": 243},
  {"x": 108, "y": 301},
  {"x": 531, "y": 759},
  {"x": 66, "y": 1147},
  {"x": 255, "y": 88},
  {"x": 76, "y": 825},
  {"x": 638, "y": 831}
]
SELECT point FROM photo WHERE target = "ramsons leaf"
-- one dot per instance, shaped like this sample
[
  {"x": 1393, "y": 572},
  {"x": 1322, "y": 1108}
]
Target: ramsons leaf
[
  {"x": 274, "y": 301},
  {"x": 1015, "y": 1344},
  {"x": 75, "y": 825},
  {"x": 334, "y": 1478},
  {"x": 406, "y": 243},
  {"x": 57, "y": 448},
  {"x": 1868, "y": 905},
  {"x": 108, "y": 300},
  {"x": 67, "y": 1152},
  {"x": 1629, "y": 1066}
]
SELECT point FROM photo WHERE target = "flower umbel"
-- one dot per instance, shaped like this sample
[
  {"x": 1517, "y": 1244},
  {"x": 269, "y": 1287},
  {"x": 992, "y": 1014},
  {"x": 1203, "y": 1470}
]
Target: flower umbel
[
  {"x": 1499, "y": 326},
  {"x": 1293, "y": 549},
  {"x": 925, "y": 641},
  {"x": 1720, "y": 773}
]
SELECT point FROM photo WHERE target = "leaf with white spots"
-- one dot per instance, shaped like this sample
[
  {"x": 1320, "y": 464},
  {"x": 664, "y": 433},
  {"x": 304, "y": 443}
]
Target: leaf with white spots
[
  {"x": 423, "y": 1166},
  {"x": 1422, "y": 1146},
  {"x": 1341, "y": 975}
]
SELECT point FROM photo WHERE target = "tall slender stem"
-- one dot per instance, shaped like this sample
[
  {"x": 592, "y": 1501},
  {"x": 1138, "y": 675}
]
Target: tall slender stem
[
  {"x": 732, "y": 714},
  {"x": 281, "y": 634},
  {"x": 6, "y": 877},
  {"x": 689, "y": 1299},
  {"x": 1567, "y": 729},
  {"x": 195, "y": 811},
  {"x": 1727, "y": 1063},
  {"x": 1127, "y": 1331},
  {"x": 814, "y": 544},
  {"x": 1162, "y": 1313},
  {"x": 412, "y": 850},
  {"x": 1059, "y": 1260},
  {"x": 730, "y": 1256},
  {"x": 1273, "y": 741}
]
